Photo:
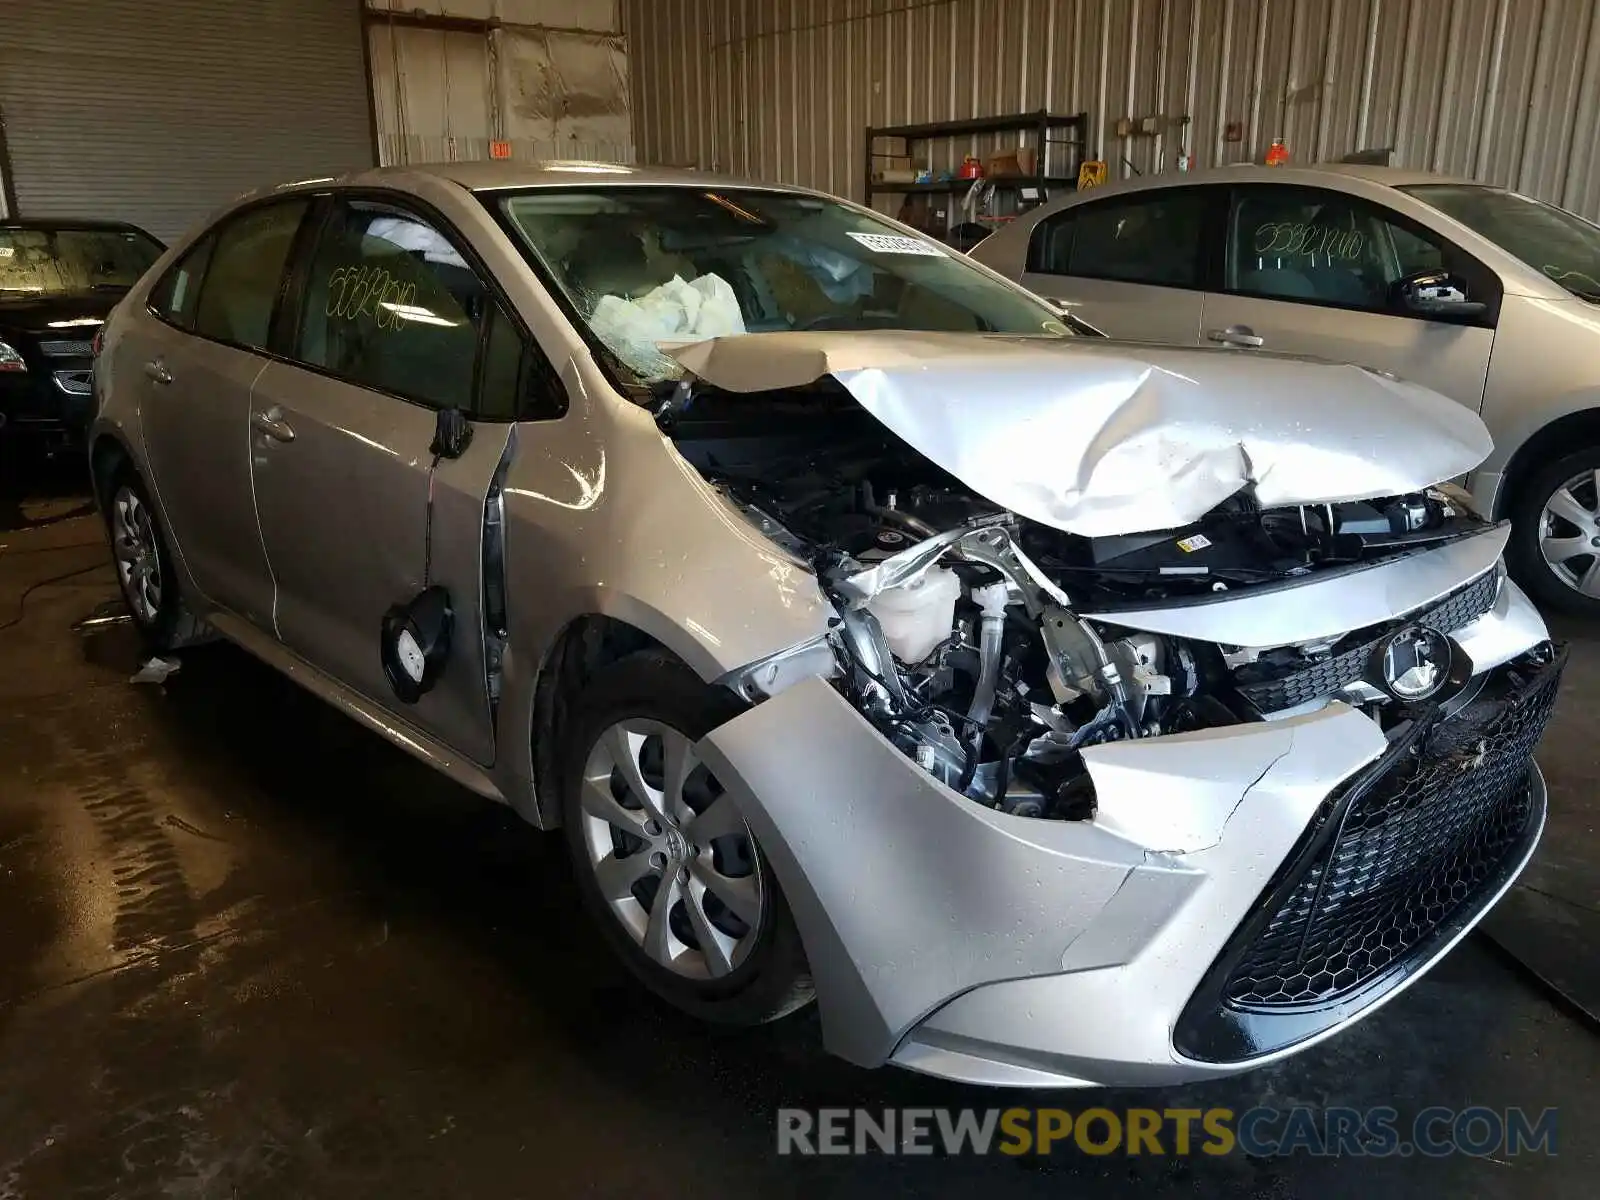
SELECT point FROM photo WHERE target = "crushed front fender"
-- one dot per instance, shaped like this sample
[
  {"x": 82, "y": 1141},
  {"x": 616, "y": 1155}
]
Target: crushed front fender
[{"x": 907, "y": 894}]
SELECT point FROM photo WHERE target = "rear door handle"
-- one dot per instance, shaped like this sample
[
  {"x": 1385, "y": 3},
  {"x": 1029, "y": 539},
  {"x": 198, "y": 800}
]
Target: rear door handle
[
  {"x": 156, "y": 370},
  {"x": 1236, "y": 335},
  {"x": 273, "y": 425}
]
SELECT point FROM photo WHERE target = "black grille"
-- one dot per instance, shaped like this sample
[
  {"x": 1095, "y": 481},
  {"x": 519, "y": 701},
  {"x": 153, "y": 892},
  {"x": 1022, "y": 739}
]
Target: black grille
[
  {"x": 66, "y": 349},
  {"x": 1396, "y": 857},
  {"x": 1300, "y": 684}
]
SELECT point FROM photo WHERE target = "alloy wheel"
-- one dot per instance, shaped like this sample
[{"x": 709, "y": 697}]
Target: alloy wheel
[
  {"x": 669, "y": 851},
  {"x": 1569, "y": 533},
  {"x": 137, "y": 554}
]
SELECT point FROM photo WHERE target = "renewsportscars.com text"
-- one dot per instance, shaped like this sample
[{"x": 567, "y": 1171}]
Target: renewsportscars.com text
[{"x": 1260, "y": 1132}]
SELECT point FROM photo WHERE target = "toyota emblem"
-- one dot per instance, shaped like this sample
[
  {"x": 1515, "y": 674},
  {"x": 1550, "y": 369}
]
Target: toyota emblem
[{"x": 1413, "y": 664}]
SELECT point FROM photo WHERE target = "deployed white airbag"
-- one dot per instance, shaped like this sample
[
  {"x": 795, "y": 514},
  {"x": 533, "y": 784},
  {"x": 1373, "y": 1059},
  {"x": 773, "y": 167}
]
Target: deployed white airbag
[{"x": 674, "y": 312}]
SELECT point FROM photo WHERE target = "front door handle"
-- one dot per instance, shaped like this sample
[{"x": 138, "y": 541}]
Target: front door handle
[
  {"x": 273, "y": 425},
  {"x": 156, "y": 370},
  {"x": 1236, "y": 335}
]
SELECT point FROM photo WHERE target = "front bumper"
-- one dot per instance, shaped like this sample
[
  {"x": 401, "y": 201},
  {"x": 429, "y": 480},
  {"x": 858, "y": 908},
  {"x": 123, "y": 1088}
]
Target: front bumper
[
  {"x": 962, "y": 942},
  {"x": 54, "y": 405}
]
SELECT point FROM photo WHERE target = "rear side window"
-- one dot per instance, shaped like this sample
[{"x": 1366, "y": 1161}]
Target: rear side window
[
  {"x": 245, "y": 274},
  {"x": 177, "y": 297},
  {"x": 392, "y": 304},
  {"x": 1149, "y": 237}
]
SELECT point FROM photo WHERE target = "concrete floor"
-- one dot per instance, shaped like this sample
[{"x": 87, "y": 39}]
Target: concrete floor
[{"x": 249, "y": 950}]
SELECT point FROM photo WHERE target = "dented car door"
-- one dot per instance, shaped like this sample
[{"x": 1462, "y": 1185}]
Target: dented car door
[{"x": 347, "y": 482}]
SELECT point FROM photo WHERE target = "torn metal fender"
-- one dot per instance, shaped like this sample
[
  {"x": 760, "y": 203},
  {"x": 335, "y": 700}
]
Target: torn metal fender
[
  {"x": 1100, "y": 438},
  {"x": 904, "y": 893},
  {"x": 782, "y": 669},
  {"x": 907, "y": 894}
]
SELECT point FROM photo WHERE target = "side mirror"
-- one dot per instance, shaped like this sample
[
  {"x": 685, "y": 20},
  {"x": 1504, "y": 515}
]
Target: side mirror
[{"x": 1434, "y": 293}]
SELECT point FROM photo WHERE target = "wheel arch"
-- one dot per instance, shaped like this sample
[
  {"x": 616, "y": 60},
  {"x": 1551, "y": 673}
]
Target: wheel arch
[
  {"x": 585, "y": 645},
  {"x": 108, "y": 455},
  {"x": 1562, "y": 436}
]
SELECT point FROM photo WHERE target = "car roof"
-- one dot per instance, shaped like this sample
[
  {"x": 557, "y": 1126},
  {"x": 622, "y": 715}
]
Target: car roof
[
  {"x": 489, "y": 175},
  {"x": 1315, "y": 174},
  {"x": 1387, "y": 176}
]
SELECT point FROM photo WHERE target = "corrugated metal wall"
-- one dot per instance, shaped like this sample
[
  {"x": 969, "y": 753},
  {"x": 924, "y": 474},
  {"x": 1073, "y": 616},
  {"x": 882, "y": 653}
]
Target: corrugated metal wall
[
  {"x": 1502, "y": 90},
  {"x": 548, "y": 76},
  {"x": 157, "y": 113}
]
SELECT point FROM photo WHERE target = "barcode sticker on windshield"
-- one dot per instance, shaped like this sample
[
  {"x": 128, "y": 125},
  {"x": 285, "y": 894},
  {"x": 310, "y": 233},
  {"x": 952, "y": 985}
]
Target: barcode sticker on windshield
[
  {"x": 1195, "y": 541},
  {"x": 893, "y": 243}
]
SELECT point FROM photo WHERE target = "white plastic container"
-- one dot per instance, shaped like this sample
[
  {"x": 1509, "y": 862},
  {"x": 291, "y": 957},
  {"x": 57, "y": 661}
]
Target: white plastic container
[{"x": 919, "y": 615}]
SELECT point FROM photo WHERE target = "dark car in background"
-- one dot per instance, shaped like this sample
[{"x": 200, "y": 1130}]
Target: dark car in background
[{"x": 58, "y": 281}]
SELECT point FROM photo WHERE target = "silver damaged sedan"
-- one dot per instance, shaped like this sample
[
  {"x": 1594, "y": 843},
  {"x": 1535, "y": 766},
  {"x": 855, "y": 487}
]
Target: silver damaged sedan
[{"x": 1053, "y": 711}]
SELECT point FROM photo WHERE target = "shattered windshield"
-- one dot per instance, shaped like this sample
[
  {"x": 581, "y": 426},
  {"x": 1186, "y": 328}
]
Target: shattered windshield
[
  {"x": 1562, "y": 246},
  {"x": 651, "y": 268},
  {"x": 56, "y": 262}
]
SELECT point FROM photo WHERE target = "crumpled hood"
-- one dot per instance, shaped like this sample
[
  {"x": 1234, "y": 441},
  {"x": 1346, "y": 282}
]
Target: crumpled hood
[{"x": 1101, "y": 438}]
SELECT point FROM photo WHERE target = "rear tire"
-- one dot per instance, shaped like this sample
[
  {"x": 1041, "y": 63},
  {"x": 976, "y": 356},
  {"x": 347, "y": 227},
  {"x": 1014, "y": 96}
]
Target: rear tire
[
  {"x": 725, "y": 949},
  {"x": 145, "y": 573}
]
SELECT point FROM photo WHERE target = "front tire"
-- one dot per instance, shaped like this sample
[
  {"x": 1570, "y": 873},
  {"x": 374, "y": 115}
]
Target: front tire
[
  {"x": 1555, "y": 534},
  {"x": 665, "y": 864}
]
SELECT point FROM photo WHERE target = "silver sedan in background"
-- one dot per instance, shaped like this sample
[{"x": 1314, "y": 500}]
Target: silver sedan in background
[
  {"x": 1052, "y": 710},
  {"x": 1488, "y": 296}
]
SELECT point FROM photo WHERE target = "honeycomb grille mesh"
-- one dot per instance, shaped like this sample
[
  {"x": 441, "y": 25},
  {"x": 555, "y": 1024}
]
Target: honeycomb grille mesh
[
  {"x": 1412, "y": 848},
  {"x": 67, "y": 349},
  {"x": 1327, "y": 676}
]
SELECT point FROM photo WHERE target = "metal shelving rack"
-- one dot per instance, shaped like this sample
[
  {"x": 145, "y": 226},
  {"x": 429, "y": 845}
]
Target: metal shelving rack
[{"x": 1042, "y": 124}]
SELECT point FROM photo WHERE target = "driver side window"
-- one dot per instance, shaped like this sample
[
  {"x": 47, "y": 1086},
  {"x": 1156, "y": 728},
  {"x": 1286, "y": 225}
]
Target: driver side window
[
  {"x": 391, "y": 304},
  {"x": 1324, "y": 247}
]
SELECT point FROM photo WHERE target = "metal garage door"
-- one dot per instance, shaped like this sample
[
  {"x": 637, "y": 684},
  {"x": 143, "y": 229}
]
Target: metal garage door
[{"x": 156, "y": 111}]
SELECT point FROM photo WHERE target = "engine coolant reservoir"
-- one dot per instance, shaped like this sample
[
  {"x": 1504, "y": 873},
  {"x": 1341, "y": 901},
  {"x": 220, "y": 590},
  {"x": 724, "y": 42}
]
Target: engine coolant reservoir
[{"x": 917, "y": 616}]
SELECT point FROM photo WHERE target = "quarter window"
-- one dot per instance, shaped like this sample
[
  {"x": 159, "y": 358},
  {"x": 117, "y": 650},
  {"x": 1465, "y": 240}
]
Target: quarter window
[
  {"x": 177, "y": 296},
  {"x": 245, "y": 274},
  {"x": 503, "y": 363},
  {"x": 1149, "y": 237},
  {"x": 1415, "y": 253}
]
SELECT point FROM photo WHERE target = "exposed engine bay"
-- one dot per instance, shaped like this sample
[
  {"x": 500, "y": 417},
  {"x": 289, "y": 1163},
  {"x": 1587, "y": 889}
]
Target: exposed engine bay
[{"x": 958, "y": 632}]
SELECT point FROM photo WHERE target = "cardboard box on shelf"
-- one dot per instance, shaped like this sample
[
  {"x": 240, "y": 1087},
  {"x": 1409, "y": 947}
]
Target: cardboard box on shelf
[
  {"x": 1013, "y": 163},
  {"x": 895, "y": 168}
]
